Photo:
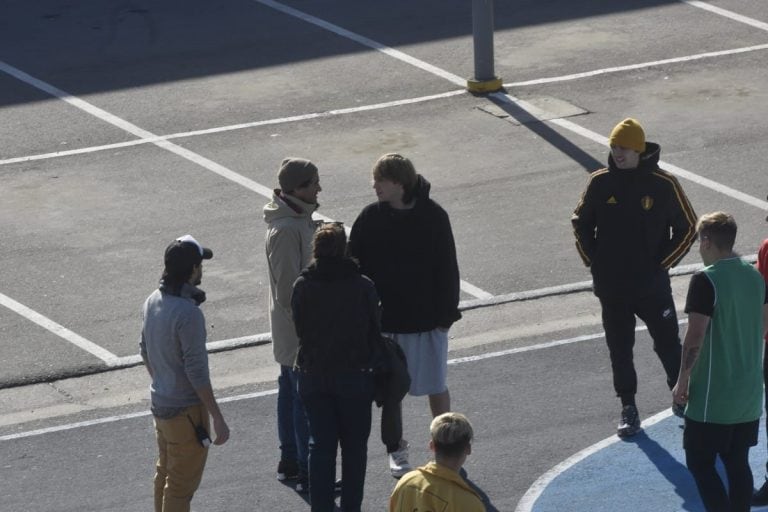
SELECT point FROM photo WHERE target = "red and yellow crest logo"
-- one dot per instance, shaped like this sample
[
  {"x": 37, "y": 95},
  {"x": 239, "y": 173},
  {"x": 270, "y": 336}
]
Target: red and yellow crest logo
[{"x": 646, "y": 202}]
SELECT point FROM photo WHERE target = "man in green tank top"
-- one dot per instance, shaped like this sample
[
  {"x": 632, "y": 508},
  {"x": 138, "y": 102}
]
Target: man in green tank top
[{"x": 721, "y": 378}]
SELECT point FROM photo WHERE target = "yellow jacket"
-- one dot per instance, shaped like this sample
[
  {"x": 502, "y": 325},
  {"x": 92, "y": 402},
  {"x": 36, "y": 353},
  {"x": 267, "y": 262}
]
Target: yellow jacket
[{"x": 434, "y": 488}]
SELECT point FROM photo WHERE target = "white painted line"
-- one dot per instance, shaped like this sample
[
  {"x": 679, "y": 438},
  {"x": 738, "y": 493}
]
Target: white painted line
[
  {"x": 121, "y": 417},
  {"x": 148, "y": 137},
  {"x": 233, "y": 127},
  {"x": 370, "y": 43},
  {"x": 164, "y": 144},
  {"x": 72, "y": 426},
  {"x": 474, "y": 290},
  {"x": 128, "y": 361},
  {"x": 568, "y": 125},
  {"x": 137, "y": 131},
  {"x": 376, "y": 106},
  {"x": 70, "y": 152},
  {"x": 693, "y": 267},
  {"x": 525, "y": 295},
  {"x": 211, "y": 346},
  {"x": 458, "y": 360},
  {"x": 673, "y": 169},
  {"x": 464, "y": 305},
  {"x": 600, "y": 139},
  {"x": 713, "y": 185},
  {"x": 318, "y": 115},
  {"x": 580, "y": 286},
  {"x": 642, "y": 65},
  {"x": 74, "y": 101},
  {"x": 46, "y": 323},
  {"x": 530, "y": 348},
  {"x": 541, "y": 346},
  {"x": 728, "y": 14},
  {"x": 239, "y": 342},
  {"x": 529, "y": 499},
  {"x": 247, "y": 396},
  {"x": 266, "y": 337}
]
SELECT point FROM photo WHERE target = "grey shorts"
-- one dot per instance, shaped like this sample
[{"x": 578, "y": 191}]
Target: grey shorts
[{"x": 427, "y": 355}]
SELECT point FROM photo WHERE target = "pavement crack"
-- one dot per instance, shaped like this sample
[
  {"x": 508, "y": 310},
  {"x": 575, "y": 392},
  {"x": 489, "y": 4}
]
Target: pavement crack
[{"x": 67, "y": 396}]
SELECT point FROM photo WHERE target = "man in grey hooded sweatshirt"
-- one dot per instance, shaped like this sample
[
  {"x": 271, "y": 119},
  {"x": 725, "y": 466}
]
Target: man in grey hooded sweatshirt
[
  {"x": 173, "y": 350},
  {"x": 290, "y": 229}
]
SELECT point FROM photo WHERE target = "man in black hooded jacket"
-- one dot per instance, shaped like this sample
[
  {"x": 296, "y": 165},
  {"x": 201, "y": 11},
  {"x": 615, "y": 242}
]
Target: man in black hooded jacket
[
  {"x": 405, "y": 244},
  {"x": 632, "y": 225}
]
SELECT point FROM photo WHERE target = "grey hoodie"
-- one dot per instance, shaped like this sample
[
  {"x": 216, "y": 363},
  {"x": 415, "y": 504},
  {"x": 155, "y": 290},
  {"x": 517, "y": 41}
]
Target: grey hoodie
[
  {"x": 289, "y": 250},
  {"x": 173, "y": 344}
]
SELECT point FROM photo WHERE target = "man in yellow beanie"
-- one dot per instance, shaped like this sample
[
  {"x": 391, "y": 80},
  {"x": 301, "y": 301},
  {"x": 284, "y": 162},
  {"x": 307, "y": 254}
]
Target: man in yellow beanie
[{"x": 632, "y": 225}]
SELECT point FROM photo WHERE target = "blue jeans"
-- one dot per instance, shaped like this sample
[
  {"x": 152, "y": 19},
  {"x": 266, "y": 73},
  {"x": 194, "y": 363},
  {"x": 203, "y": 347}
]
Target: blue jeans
[
  {"x": 339, "y": 411},
  {"x": 292, "y": 425}
]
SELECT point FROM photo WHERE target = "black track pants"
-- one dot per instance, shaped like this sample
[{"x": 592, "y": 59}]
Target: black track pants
[{"x": 658, "y": 313}]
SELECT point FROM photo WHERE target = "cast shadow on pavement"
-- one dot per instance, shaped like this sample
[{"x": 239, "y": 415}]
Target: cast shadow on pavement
[
  {"x": 559, "y": 142},
  {"x": 673, "y": 470},
  {"x": 291, "y": 484},
  {"x": 118, "y": 45},
  {"x": 484, "y": 497}
]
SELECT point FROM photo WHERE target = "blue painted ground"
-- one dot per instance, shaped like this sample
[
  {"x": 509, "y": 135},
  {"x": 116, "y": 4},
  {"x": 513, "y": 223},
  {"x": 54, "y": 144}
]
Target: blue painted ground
[{"x": 644, "y": 473}]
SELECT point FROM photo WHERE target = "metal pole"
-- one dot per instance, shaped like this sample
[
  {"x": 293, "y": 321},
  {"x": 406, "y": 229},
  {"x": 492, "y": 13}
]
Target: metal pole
[{"x": 485, "y": 79}]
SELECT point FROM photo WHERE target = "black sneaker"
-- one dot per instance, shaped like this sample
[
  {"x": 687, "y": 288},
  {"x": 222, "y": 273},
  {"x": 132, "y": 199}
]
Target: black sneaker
[
  {"x": 287, "y": 470},
  {"x": 678, "y": 410},
  {"x": 630, "y": 422},
  {"x": 302, "y": 484},
  {"x": 760, "y": 497}
]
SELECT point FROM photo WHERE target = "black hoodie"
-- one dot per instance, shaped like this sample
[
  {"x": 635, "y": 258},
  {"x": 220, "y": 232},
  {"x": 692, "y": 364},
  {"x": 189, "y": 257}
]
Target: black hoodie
[
  {"x": 335, "y": 310},
  {"x": 411, "y": 257},
  {"x": 632, "y": 226}
]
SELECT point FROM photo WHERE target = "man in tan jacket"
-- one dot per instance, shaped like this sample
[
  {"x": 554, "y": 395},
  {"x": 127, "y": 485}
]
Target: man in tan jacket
[{"x": 290, "y": 229}]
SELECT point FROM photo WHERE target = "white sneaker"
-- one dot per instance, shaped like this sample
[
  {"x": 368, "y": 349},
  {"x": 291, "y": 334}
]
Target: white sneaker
[{"x": 398, "y": 460}]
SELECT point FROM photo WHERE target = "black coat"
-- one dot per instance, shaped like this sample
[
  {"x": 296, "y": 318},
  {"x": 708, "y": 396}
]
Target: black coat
[
  {"x": 335, "y": 311},
  {"x": 411, "y": 257},
  {"x": 632, "y": 226}
]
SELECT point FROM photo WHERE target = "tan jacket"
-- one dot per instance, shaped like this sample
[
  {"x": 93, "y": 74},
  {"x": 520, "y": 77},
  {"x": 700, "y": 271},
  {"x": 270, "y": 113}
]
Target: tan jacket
[
  {"x": 289, "y": 250},
  {"x": 434, "y": 487}
]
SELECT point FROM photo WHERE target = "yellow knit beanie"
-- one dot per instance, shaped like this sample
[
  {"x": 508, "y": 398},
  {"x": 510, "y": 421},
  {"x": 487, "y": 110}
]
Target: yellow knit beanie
[{"x": 628, "y": 134}]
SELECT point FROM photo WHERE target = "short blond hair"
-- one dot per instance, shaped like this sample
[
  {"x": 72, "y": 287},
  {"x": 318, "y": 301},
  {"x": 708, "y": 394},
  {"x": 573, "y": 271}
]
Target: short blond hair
[
  {"x": 451, "y": 434},
  {"x": 719, "y": 227}
]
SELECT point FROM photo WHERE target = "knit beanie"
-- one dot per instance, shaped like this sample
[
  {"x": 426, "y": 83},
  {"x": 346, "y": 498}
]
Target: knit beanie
[
  {"x": 294, "y": 172},
  {"x": 628, "y": 134}
]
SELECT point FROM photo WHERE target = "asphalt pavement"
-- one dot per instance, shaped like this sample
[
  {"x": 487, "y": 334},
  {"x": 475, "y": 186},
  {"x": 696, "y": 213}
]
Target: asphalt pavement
[{"x": 126, "y": 124}]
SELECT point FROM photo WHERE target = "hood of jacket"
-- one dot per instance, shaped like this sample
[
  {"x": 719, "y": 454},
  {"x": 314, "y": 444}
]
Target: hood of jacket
[
  {"x": 649, "y": 159},
  {"x": 421, "y": 191},
  {"x": 186, "y": 291},
  {"x": 285, "y": 206},
  {"x": 331, "y": 269}
]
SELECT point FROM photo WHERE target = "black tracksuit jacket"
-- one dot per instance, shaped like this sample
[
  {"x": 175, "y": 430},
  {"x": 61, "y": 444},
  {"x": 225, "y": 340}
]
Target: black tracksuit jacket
[{"x": 632, "y": 226}]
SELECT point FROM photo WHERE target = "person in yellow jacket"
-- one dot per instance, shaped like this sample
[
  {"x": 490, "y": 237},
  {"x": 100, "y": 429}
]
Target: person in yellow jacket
[{"x": 438, "y": 485}]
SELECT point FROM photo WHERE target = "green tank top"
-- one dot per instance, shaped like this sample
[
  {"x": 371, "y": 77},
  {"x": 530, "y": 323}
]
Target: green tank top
[{"x": 726, "y": 384}]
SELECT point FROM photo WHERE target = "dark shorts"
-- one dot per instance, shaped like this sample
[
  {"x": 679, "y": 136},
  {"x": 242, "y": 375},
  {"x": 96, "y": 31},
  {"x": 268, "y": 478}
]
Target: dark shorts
[{"x": 708, "y": 437}]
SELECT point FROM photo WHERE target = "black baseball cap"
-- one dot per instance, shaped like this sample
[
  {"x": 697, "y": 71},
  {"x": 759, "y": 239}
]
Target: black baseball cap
[{"x": 184, "y": 253}]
